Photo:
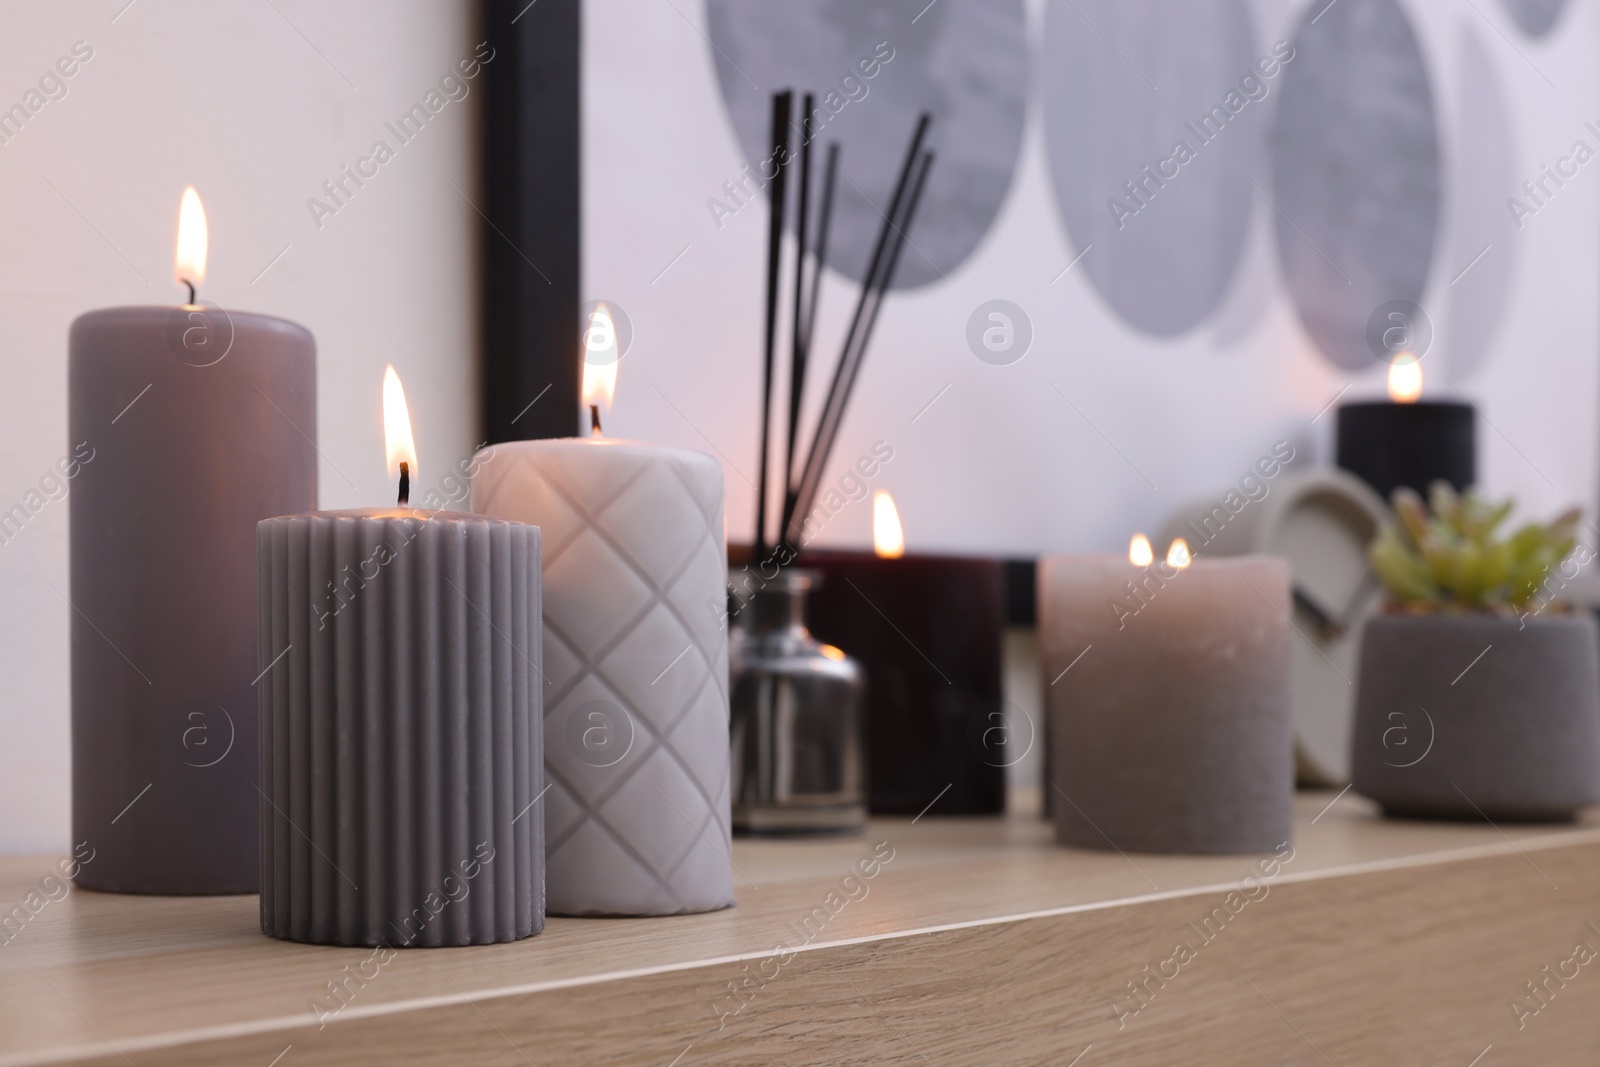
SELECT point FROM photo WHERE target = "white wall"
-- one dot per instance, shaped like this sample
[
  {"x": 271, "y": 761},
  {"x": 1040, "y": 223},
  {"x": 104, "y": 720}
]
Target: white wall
[{"x": 256, "y": 104}]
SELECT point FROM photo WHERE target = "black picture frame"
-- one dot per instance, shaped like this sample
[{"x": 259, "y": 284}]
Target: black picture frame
[{"x": 529, "y": 205}]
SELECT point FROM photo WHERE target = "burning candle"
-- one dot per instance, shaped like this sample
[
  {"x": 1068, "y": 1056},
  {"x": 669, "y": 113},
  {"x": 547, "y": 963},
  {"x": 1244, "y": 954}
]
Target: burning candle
[
  {"x": 187, "y": 425},
  {"x": 400, "y": 721},
  {"x": 1168, "y": 693},
  {"x": 1407, "y": 440},
  {"x": 928, "y": 631},
  {"x": 888, "y": 538},
  {"x": 636, "y": 658}
]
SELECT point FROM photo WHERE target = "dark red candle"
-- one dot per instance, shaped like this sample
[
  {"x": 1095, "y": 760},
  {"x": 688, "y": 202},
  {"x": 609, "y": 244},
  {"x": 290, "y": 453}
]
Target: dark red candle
[{"x": 927, "y": 629}]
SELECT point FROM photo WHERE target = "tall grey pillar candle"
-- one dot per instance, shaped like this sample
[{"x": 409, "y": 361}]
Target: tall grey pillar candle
[
  {"x": 401, "y": 735},
  {"x": 636, "y": 659},
  {"x": 191, "y": 425},
  {"x": 1168, "y": 693}
]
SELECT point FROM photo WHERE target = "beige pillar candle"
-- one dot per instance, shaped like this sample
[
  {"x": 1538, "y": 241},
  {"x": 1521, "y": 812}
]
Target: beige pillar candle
[{"x": 1168, "y": 693}]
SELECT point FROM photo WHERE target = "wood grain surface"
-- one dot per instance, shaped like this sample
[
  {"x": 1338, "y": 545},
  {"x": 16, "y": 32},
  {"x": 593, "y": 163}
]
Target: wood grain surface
[{"x": 979, "y": 942}]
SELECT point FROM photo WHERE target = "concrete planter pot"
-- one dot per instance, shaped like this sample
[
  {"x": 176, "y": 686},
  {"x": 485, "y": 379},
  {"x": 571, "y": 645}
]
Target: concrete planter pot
[{"x": 1478, "y": 716}]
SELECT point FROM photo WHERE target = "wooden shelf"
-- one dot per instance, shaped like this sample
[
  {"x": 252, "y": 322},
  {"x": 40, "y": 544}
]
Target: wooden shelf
[{"x": 980, "y": 941}]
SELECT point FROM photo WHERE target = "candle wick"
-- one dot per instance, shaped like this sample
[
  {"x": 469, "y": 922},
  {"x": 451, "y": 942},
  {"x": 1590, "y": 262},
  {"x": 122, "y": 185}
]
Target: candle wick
[
  {"x": 594, "y": 420},
  {"x": 405, "y": 483},
  {"x": 190, "y": 284}
]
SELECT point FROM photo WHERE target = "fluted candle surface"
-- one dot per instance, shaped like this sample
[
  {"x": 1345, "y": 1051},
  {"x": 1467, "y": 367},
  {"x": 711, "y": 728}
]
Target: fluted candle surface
[{"x": 401, "y": 735}]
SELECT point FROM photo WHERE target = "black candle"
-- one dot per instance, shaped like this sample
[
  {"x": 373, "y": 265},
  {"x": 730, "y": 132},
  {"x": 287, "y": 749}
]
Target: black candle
[
  {"x": 1412, "y": 444},
  {"x": 927, "y": 629}
]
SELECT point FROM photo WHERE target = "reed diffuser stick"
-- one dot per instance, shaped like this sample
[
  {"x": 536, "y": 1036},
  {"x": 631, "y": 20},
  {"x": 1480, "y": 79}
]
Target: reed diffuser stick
[
  {"x": 832, "y": 410},
  {"x": 781, "y": 104},
  {"x": 798, "y": 339}
]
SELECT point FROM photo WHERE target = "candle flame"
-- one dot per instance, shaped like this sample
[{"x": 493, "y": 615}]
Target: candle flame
[
  {"x": 600, "y": 359},
  {"x": 397, "y": 440},
  {"x": 888, "y": 539},
  {"x": 190, "y": 262},
  {"x": 1405, "y": 379},
  {"x": 1178, "y": 554},
  {"x": 1139, "y": 552}
]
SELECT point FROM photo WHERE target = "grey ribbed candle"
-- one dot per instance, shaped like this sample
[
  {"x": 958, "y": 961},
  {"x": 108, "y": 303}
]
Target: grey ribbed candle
[{"x": 401, "y": 735}]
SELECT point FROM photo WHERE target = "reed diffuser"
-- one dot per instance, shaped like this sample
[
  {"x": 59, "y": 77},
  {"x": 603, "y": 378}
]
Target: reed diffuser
[{"x": 797, "y": 725}]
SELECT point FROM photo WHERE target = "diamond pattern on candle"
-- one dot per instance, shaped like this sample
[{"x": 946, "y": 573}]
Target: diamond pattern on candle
[
  {"x": 643, "y": 674},
  {"x": 664, "y": 547},
  {"x": 591, "y": 589},
  {"x": 697, "y": 735},
  {"x": 562, "y": 666},
  {"x": 634, "y": 576},
  {"x": 704, "y": 618},
  {"x": 563, "y": 814},
  {"x": 650, "y": 800}
]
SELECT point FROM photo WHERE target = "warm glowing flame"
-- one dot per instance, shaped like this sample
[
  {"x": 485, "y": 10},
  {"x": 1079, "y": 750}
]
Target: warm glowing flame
[
  {"x": 1178, "y": 555},
  {"x": 600, "y": 359},
  {"x": 1405, "y": 379},
  {"x": 1139, "y": 552},
  {"x": 397, "y": 427},
  {"x": 190, "y": 263},
  {"x": 888, "y": 539}
]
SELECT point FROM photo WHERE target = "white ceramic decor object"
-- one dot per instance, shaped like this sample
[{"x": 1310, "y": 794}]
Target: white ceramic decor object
[
  {"x": 1321, "y": 521},
  {"x": 636, "y": 668}
]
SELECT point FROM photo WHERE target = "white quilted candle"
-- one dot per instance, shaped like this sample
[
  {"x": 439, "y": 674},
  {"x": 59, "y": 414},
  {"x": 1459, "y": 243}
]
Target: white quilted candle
[{"x": 636, "y": 668}]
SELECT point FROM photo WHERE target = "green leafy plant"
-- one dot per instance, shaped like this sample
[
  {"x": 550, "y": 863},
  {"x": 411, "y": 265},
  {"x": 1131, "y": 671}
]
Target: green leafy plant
[{"x": 1448, "y": 558}]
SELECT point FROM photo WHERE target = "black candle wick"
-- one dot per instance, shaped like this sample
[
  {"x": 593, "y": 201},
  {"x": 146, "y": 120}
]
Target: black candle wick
[
  {"x": 405, "y": 483},
  {"x": 594, "y": 419},
  {"x": 190, "y": 284}
]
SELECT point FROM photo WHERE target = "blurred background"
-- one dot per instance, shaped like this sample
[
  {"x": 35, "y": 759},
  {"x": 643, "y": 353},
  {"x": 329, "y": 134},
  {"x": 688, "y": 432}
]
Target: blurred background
[{"x": 1399, "y": 151}]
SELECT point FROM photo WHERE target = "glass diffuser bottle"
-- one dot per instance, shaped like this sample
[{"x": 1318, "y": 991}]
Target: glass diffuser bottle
[{"x": 797, "y": 732}]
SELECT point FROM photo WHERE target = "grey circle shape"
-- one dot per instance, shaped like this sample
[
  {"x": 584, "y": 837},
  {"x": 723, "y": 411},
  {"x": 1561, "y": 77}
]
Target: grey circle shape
[
  {"x": 1356, "y": 182},
  {"x": 600, "y": 355},
  {"x": 599, "y": 732},
  {"x": 1482, "y": 263},
  {"x": 1535, "y": 17},
  {"x": 1399, "y": 328},
  {"x": 200, "y": 334},
  {"x": 1001, "y": 736},
  {"x": 964, "y": 61},
  {"x": 999, "y": 332},
  {"x": 1164, "y": 253}
]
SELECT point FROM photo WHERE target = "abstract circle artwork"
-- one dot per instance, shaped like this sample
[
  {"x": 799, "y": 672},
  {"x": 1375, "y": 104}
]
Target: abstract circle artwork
[
  {"x": 874, "y": 68},
  {"x": 1155, "y": 116},
  {"x": 1356, "y": 185}
]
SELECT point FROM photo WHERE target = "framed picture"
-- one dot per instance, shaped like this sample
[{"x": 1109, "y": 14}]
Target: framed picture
[{"x": 1154, "y": 245}]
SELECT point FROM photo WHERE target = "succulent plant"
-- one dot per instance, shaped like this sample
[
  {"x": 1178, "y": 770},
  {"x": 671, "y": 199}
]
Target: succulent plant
[{"x": 1448, "y": 558}]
